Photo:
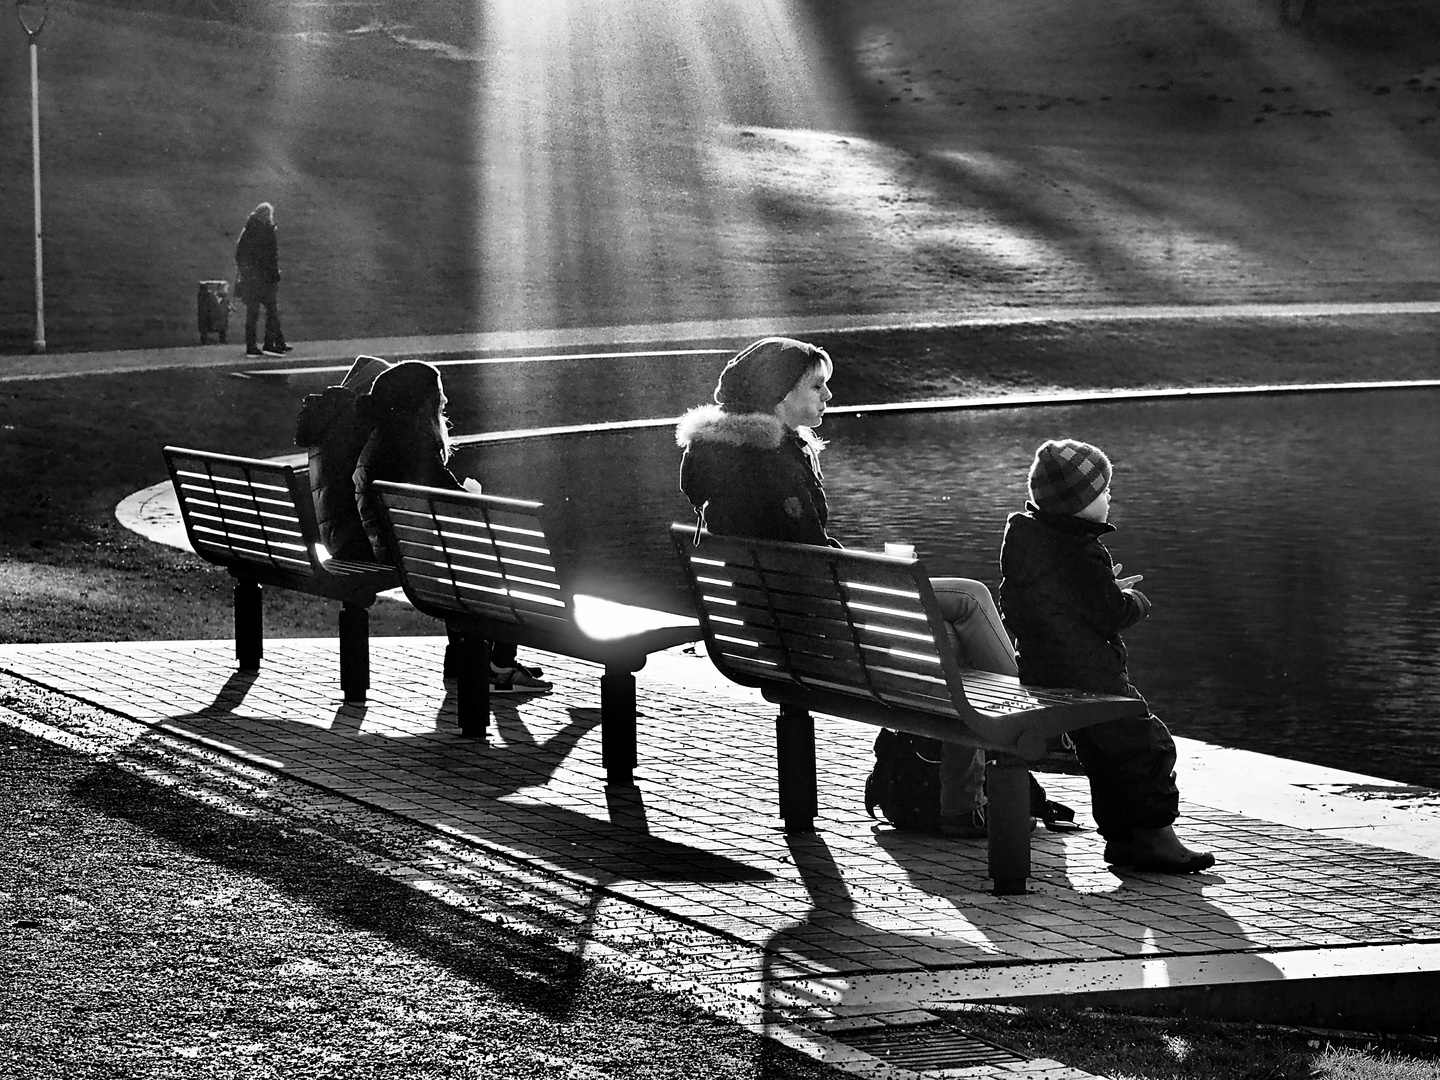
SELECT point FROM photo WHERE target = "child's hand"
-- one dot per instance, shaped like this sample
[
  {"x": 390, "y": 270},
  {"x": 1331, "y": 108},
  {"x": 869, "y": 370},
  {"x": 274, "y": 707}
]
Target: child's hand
[
  {"x": 471, "y": 484},
  {"x": 1127, "y": 582}
]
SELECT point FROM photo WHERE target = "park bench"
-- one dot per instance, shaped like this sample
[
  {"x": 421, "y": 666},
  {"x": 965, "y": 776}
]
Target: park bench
[
  {"x": 483, "y": 565},
  {"x": 257, "y": 519},
  {"x": 859, "y": 636}
]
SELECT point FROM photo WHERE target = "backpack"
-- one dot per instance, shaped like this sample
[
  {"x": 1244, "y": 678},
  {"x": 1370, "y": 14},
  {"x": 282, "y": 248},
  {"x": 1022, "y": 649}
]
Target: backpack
[
  {"x": 905, "y": 785},
  {"x": 905, "y": 782}
]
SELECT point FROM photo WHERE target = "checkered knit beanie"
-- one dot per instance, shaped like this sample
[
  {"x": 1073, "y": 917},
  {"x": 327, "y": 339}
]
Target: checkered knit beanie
[
  {"x": 1068, "y": 476},
  {"x": 761, "y": 375}
]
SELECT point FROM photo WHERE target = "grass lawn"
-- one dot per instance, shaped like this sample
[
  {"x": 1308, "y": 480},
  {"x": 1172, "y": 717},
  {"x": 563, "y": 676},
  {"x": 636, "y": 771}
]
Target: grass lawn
[{"x": 439, "y": 170}]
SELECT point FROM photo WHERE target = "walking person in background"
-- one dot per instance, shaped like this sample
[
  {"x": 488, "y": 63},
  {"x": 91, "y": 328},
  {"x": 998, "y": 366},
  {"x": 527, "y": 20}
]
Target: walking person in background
[
  {"x": 1065, "y": 603},
  {"x": 257, "y": 281},
  {"x": 409, "y": 443}
]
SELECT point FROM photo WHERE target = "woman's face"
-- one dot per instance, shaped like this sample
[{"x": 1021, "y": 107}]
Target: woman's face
[{"x": 804, "y": 406}]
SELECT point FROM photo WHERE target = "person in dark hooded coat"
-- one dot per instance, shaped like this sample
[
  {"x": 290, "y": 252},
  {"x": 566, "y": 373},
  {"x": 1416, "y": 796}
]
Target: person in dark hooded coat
[
  {"x": 751, "y": 465},
  {"x": 330, "y": 428},
  {"x": 257, "y": 280}
]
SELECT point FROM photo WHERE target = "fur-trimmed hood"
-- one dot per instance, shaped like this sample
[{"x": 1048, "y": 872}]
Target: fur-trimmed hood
[{"x": 762, "y": 430}]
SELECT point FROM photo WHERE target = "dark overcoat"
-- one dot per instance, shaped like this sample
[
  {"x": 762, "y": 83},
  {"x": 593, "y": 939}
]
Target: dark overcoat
[{"x": 748, "y": 474}]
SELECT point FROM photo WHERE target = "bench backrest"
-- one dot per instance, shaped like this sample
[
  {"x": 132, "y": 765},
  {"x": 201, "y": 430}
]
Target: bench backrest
[
  {"x": 243, "y": 510},
  {"x": 860, "y": 635},
  {"x": 478, "y": 555},
  {"x": 847, "y": 622}
]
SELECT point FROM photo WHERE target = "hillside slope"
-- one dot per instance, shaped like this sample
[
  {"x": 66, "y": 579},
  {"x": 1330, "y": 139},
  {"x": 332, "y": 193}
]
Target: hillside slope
[{"x": 438, "y": 170}]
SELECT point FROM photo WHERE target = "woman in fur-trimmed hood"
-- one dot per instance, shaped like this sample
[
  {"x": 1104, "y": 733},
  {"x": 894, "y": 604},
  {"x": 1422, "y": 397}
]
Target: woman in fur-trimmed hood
[{"x": 752, "y": 461}]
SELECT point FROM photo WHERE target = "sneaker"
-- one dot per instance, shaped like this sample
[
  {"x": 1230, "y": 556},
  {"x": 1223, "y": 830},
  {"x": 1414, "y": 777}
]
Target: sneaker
[
  {"x": 516, "y": 681},
  {"x": 269, "y": 351},
  {"x": 533, "y": 670},
  {"x": 253, "y": 353}
]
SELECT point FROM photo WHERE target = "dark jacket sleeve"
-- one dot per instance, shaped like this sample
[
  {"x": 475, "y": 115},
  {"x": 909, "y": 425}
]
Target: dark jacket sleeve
[{"x": 1103, "y": 601}]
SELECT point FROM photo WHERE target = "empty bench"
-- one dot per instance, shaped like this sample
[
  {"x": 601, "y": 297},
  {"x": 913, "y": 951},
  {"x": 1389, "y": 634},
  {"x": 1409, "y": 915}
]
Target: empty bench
[
  {"x": 483, "y": 565},
  {"x": 859, "y": 636},
  {"x": 257, "y": 519}
]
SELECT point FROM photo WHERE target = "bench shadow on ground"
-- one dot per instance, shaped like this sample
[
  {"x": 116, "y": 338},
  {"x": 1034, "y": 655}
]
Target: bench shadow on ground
[{"x": 479, "y": 773}]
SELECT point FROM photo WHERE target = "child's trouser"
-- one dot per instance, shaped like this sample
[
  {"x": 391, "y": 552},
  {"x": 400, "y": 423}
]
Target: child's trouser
[{"x": 1131, "y": 767}]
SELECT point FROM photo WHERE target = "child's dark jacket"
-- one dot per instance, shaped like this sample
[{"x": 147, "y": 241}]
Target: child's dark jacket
[
  {"x": 750, "y": 475},
  {"x": 1060, "y": 602}
]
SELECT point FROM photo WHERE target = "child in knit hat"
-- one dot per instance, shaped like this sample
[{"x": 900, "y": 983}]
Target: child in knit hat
[{"x": 1065, "y": 603}]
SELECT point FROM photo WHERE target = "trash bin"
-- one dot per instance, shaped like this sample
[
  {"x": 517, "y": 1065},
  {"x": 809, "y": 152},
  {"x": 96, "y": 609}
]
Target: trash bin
[{"x": 212, "y": 310}]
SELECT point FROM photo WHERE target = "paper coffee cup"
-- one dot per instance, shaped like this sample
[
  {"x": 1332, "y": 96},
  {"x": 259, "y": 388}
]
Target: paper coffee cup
[{"x": 900, "y": 551}]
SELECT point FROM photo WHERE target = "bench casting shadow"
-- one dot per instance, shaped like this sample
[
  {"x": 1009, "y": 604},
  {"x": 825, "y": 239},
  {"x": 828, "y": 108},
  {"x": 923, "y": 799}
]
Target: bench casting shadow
[{"x": 481, "y": 775}]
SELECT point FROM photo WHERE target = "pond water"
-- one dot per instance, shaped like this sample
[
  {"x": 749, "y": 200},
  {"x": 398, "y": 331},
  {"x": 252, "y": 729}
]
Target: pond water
[{"x": 1290, "y": 545}]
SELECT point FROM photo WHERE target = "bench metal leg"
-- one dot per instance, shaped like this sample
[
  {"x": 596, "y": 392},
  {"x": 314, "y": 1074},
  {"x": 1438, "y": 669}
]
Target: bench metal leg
[
  {"x": 1007, "y": 790},
  {"x": 795, "y": 760},
  {"x": 617, "y": 726},
  {"x": 249, "y": 625},
  {"x": 354, "y": 652},
  {"x": 472, "y": 683}
]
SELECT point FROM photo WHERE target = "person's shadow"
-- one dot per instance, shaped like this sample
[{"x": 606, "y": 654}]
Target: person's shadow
[{"x": 1134, "y": 914}]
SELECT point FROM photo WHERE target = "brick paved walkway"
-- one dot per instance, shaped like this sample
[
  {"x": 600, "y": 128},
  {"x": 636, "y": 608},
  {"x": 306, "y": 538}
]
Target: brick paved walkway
[{"x": 688, "y": 881}]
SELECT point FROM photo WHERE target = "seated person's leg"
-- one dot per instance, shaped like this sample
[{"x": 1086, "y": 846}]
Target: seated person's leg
[
  {"x": 508, "y": 674},
  {"x": 970, "y": 610},
  {"x": 962, "y": 787},
  {"x": 1131, "y": 767}
]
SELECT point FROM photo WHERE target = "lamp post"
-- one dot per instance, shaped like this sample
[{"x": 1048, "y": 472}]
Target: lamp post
[{"x": 33, "y": 14}]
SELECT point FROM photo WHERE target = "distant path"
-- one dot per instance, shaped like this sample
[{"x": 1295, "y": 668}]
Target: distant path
[{"x": 458, "y": 346}]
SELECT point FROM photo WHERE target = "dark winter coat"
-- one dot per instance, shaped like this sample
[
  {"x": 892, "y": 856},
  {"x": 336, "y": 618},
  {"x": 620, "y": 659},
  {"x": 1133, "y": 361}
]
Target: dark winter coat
[
  {"x": 257, "y": 259},
  {"x": 402, "y": 454},
  {"x": 1062, "y": 605},
  {"x": 334, "y": 434},
  {"x": 748, "y": 474}
]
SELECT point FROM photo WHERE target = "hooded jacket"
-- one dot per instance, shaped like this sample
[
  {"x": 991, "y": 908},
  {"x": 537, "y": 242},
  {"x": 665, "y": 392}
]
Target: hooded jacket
[
  {"x": 334, "y": 434},
  {"x": 748, "y": 474},
  {"x": 1060, "y": 601}
]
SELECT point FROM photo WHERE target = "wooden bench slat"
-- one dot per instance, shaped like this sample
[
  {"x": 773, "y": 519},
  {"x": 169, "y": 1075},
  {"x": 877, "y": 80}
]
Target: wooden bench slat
[
  {"x": 870, "y": 649},
  {"x": 477, "y": 598},
  {"x": 251, "y": 528},
  {"x": 421, "y": 547}
]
